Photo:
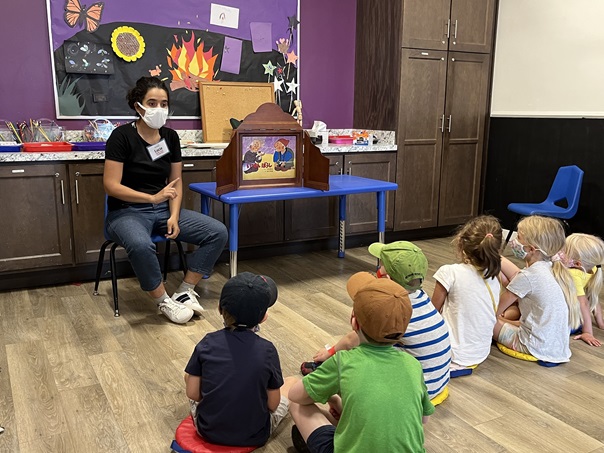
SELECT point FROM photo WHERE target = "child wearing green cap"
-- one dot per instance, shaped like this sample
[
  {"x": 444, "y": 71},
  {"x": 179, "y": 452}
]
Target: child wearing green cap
[{"x": 426, "y": 337}]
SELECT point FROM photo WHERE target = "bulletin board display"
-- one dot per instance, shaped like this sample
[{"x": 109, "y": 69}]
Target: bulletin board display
[
  {"x": 221, "y": 101},
  {"x": 100, "y": 49}
]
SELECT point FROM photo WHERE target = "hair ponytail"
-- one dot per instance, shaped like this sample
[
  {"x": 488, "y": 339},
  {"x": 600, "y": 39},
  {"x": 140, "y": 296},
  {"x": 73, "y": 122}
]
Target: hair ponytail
[
  {"x": 479, "y": 241},
  {"x": 565, "y": 280}
]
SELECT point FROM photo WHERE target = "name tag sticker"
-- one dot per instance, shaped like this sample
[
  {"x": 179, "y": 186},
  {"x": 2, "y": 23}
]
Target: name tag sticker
[{"x": 159, "y": 150}]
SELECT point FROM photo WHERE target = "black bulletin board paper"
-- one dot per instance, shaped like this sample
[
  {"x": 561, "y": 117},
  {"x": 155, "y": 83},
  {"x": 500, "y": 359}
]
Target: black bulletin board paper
[{"x": 92, "y": 74}]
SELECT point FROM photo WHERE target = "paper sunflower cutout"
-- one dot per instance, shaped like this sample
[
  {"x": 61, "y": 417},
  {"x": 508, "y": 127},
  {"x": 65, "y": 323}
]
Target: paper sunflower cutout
[{"x": 127, "y": 43}]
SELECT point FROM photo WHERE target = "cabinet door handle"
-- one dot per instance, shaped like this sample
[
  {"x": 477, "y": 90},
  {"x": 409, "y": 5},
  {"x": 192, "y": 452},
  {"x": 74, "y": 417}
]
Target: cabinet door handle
[
  {"x": 62, "y": 192},
  {"x": 77, "y": 189},
  {"x": 448, "y": 28},
  {"x": 442, "y": 124},
  {"x": 349, "y": 171},
  {"x": 449, "y": 125},
  {"x": 455, "y": 30},
  {"x": 340, "y": 170},
  {"x": 188, "y": 165}
]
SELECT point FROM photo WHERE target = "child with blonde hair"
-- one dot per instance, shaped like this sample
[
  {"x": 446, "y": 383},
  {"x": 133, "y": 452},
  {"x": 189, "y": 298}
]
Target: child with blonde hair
[
  {"x": 583, "y": 255},
  {"x": 467, "y": 293},
  {"x": 544, "y": 291}
]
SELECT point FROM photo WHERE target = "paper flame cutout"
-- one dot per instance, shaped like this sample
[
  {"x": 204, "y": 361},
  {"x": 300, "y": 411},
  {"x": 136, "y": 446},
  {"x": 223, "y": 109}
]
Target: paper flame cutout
[{"x": 188, "y": 63}]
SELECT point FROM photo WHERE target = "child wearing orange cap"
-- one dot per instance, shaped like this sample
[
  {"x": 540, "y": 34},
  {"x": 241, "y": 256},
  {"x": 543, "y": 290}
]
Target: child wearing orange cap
[{"x": 371, "y": 414}]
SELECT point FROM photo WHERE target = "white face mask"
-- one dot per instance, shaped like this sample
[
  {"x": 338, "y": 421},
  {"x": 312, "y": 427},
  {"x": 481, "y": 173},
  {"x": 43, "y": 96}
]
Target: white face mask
[{"x": 154, "y": 117}]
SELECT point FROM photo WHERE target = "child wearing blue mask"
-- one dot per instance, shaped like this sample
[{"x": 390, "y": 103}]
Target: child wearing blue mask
[{"x": 544, "y": 290}]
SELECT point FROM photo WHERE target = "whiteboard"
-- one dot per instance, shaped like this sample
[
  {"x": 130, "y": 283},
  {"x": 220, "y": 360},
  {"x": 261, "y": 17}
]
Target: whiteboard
[{"x": 549, "y": 59}]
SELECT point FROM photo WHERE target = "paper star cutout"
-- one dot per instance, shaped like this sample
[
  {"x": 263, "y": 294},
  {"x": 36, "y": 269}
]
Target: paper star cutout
[
  {"x": 292, "y": 86},
  {"x": 269, "y": 68},
  {"x": 293, "y": 21},
  {"x": 277, "y": 84},
  {"x": 292, "y": 57}
]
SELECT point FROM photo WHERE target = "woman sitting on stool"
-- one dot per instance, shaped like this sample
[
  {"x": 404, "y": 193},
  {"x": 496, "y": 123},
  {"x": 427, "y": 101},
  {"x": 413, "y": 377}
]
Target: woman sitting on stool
[{"x": 142, "y": 178}]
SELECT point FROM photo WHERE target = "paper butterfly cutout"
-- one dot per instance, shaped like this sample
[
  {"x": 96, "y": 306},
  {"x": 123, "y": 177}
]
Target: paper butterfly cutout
[{"x": 76, "y": 14}]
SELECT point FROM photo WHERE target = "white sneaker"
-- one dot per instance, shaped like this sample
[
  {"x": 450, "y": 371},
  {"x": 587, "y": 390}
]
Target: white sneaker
[
  {"x": 175, "y": 312},
  {"x": 189, "y": 299}
]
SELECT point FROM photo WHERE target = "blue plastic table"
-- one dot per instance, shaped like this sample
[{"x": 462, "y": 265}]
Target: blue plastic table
[{"x": 339, "y": 185}]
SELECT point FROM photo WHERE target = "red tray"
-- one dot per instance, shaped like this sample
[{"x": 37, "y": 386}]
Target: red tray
[
  {"x": 46, "y": 147},
  {"x": 341, "y": 139}
]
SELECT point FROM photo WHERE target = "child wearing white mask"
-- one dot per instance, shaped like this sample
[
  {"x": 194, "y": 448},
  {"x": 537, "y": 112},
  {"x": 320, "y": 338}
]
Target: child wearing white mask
[
  {"x": 142, "y": 178},
  {"x": 544, "y": 290}
]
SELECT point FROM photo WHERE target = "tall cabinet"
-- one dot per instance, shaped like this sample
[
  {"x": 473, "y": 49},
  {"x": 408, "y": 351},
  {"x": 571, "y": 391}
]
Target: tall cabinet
[{"x": 423, "y": 69}]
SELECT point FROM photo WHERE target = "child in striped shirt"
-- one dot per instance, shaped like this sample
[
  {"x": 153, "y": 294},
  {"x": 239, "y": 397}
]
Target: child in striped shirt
[{"x": 426, "y": 337}]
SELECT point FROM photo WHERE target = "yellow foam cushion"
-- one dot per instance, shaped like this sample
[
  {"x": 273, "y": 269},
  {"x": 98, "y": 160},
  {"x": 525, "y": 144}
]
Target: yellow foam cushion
[
  {"x": 440, "y": 397},
  {"x": 516, "y": 354}
]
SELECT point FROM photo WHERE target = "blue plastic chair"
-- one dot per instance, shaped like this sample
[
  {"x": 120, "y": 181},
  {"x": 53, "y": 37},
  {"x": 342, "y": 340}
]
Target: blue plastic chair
[
  {"x": 112, "y": 264},
  {"x": 562, "y": 201}
]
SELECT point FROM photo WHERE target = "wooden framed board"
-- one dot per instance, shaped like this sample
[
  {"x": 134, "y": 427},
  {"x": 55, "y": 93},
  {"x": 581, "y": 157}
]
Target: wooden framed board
[{"x": 221, "y": 101}]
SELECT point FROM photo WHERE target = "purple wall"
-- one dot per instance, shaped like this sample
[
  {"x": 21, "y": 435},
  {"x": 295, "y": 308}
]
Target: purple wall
[
  {"x": 327, "y": 68},
  {"x": 326, "y": 47}
]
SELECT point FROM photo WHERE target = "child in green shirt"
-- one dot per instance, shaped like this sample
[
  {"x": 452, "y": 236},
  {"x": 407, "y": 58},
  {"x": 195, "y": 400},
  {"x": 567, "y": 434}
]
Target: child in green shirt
[{"x": 376, "y": 393}]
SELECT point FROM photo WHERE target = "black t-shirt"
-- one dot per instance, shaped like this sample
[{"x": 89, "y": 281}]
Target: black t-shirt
[
  {"x": 236, "y": 368},
  {"x": 140, "y": 172}
]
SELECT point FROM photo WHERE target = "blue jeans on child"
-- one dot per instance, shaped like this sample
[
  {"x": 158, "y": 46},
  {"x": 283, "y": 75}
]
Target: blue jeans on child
[{"x": 132, "y": 227}]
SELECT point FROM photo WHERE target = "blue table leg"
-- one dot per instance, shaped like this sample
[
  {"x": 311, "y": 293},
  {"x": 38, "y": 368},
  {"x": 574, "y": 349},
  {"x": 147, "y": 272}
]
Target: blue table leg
[
  {"x": 233, "y": 237},
  {"x": 342, "y": 229},
  {"x": 381, "y": 219},
  {"x": 205, "y": 209},
  {"x": 205, "y": 205},
  {"x": 381, "y": 212}
]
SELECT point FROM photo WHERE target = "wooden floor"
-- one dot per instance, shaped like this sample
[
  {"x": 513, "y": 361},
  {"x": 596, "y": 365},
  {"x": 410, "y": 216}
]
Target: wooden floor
[{"x": 75, "y": 379}]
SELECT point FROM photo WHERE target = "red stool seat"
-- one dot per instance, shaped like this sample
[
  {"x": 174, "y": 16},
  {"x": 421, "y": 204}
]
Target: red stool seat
[{"x": 188, "y": 441}]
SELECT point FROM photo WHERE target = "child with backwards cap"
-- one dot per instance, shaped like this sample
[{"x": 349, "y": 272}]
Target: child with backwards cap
[
  {"x": 233, "y": 378},
  {"x": 427, "y": 336},
  {"x": 376, "y": 393}
]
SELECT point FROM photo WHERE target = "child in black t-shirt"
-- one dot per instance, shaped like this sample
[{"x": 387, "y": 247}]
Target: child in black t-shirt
[{"x": 234, "y": 377}]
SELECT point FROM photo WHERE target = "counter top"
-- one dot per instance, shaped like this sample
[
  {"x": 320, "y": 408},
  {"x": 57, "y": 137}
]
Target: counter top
[{"x": 186, "y": 152}]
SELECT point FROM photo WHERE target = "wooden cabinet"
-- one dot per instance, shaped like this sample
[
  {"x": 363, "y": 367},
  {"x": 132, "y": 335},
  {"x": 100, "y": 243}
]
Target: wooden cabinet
[
  {"x": 441, "y": 136},
  {"x": 361, "y": 209},
  {"x": 455, "y": 25},
  {"x": 319, "y": 217},
  {"x": 35, "y": 221},
  {"x": 434, "y": 93},
  {"x": 88, "y": 210}
]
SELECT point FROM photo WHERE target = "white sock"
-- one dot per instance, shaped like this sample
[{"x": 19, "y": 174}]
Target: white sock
[
  {"x": 160, "y": 299},
  {"x": 184, "y": 286}
]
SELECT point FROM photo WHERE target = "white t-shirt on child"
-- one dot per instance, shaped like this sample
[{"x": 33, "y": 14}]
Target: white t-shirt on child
[
  {"x": 468, "y": 311},
  {"x": 543, "y": 313}
]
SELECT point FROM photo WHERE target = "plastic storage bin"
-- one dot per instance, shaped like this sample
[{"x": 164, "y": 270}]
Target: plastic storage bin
[
  {"x": 46, "y": 147},
  {"x": 10, "y": 148},
  {"x": 341, "y": 139},
  {"x": 88, "y": 146}
]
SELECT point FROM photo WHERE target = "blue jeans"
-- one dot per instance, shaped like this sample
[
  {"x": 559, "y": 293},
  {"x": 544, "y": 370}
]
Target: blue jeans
[{"x": 132, "y": 227}]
